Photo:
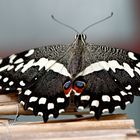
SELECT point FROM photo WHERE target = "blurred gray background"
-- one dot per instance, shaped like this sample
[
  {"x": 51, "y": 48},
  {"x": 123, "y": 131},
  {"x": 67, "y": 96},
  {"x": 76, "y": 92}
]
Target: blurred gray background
[{"x": 28, "y": 24}]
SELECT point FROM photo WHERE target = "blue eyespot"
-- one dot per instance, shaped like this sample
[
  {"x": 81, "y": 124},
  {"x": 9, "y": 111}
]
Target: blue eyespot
[
  {"x": 80, "y": 84},
  {"x": 67, "y": 84}
]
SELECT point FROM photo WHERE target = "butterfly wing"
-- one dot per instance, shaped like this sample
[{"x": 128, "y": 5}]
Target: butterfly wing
[
  {"x": 46, "y": 96},
  {"x": 112, "y": 79},
  {"x": 38, "y": 76}
]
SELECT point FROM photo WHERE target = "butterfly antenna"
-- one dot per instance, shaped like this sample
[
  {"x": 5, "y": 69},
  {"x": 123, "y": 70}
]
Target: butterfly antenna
[
  {"x": 56, "y": 20},
  {"x": 97, "y": 22}
]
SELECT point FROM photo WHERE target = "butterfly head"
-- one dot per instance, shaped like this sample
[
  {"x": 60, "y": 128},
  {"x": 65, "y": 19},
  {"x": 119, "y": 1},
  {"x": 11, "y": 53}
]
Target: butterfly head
[{"x": 80, "y": 38}]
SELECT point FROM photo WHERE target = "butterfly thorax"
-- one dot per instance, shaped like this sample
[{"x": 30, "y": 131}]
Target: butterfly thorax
[{"x": 77, "y": 50}]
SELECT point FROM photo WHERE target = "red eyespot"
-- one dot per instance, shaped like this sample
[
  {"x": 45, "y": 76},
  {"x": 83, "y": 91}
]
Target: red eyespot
[
  {"x": 67, "y": 87},
  {"x": 79, "y": 86}
]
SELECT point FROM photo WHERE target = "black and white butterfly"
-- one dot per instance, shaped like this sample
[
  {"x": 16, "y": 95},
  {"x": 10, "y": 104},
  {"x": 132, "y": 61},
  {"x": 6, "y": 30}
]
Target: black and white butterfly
[{"x": 100, "y": 77}]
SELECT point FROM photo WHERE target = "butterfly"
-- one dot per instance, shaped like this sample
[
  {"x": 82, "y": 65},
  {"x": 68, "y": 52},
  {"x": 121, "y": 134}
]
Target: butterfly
[{"x": 99, "y": 77}]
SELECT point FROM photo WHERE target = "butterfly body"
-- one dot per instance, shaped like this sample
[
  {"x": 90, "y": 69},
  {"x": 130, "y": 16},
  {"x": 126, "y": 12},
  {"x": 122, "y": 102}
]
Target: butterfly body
[{"x": 100, "y": 77}]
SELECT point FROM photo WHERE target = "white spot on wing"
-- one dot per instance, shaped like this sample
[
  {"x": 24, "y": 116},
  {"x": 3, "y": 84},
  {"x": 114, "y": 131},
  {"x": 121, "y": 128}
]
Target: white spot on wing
[
  {"x": 123, "y": 93},
  {"x": 61, "y": 110},
  {"x": 0, "y": 87},
  {"x": 85, "y": 97},
  {"x": 42, "y": 100},
  {"x": 131, "y": 55},
  {"x": 40, "y": 114},
  {"x": 128, "y": 69},
  {"x": 105, "y": 110},
  {"x": 11, "y": 83},
  {"x": 4, "y": 68},
  {"x": 10, "y": 67},
  {"x": 19, "y": 66},
  {"x": 128, "y": 102},
  {"x": 0, "y": 77},
  {"x": 30, "y": 108},
  {"x": 28, "y": 65},
  {"x": 128, "y": 87},
  {"x": 105, "y": 98},
  {"x": 21, "y": 102},
  {"x": 130, "y": 93},
  {"x": 7, "y": 89},
  {"x": 117, "y": 107},
  {"x": 20, "y": 60},
  {"x": 80, "y": 108},
  {"x": 60, "y": 100},
  {"x": 19, "y": 89},
  {"x": 95, "y": 103},
  {"x": 27, "y": 92},
  {"x": 138, "y": 64},
  {"x": 50, "y": 106},
  {"x": 22, "y": 83},
  {"x": 12, "y": 57},
  {"x": 5, "y": 79},
  {"x": 137, "y": 70},
  {"x": 33, "y": 99},
  {"x": 116, "y": 98},
  {"x": 30, "y": 52},
  {"x": 92, "y": 112},
  {"x": 50, "y": 116}
]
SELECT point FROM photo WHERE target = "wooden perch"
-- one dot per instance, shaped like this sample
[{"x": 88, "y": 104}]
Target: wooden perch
[{"x": 70, "y": 130}]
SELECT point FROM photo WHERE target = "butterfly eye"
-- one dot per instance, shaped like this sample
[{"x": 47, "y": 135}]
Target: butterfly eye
[{"x": 67, "y": 87}]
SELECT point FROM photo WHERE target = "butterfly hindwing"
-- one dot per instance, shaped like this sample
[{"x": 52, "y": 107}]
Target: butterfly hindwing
[{"x": 46, "y": 97}]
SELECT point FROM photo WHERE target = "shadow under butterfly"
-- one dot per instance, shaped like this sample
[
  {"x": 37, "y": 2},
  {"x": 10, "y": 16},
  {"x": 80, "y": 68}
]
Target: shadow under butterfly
[{"x": 100, "y": 77}]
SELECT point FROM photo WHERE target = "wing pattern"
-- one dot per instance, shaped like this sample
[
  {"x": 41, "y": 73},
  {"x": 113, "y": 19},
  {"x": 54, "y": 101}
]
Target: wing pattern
[
  {"x": 101, "y": 78},
  {"x": 113, "y": 78}
]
